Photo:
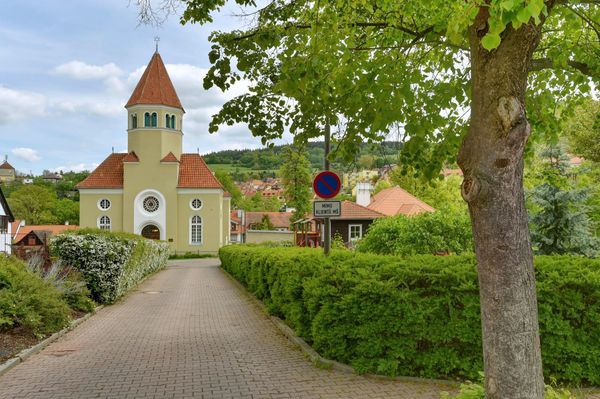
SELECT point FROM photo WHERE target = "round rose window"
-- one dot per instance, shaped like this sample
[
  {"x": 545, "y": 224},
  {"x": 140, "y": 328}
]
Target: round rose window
[{"x": 150, "y": 204}]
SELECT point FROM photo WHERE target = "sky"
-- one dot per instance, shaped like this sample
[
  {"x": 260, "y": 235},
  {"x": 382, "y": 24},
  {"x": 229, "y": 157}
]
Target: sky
[{"x": 67, "y": 68}]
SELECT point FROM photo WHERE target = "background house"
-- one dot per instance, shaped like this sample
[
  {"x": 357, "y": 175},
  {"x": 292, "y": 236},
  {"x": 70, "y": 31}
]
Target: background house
[
  {"x": 354, "y": 222},
  {"x": 7, "y": 172}
]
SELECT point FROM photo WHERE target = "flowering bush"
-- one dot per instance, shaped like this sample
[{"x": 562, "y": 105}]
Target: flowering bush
[{"x": 111, "y": 263}]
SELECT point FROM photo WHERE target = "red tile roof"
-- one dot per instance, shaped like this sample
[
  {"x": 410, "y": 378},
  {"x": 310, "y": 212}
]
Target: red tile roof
[
  {"x": 52, "y": 228},
  {"x": 193, "y": 173},
  {"x": 6, "y": 165},
  {"x": 396, "y": 201},
  {"x": 155, "y": 86},
  {"x": 109, "y": 174},
  {"x": 353, "y": 211},
  {"x": 131, "y": 157},
  {"x": 170, "y": 157},
  {"x": 278, "y": 219}
]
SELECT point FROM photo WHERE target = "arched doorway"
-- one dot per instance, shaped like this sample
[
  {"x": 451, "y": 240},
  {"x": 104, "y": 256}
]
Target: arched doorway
[{"x": 151, "y": 231}]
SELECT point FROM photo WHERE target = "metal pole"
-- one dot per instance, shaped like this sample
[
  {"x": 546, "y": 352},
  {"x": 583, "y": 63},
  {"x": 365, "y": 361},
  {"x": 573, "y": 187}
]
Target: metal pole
[{"x": 327, "y": 238}]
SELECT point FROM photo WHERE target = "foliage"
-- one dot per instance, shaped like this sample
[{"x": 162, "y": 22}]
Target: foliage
[
  {"x": 67, "y": 281},
  {"x": 442, "y": 194},
  {"x": 190, "y": 255},
  {"x": 338, "y": 241},
  {"x": 420, "y": 315},
  {"x": 35, "y": 204},
  {"x": 470, "y": 390},
  {"x": 258, "y": 203},
  {"x": 440, "y": 232},
  {"x": 28, "y": 301},
  {"x": 559, "y": 219},
  {"x": 225, "y": 179},
  {"x": 296, "y": 178},
  {"x": 583, "y": 130},
  {"x": 111, "y": 263}
]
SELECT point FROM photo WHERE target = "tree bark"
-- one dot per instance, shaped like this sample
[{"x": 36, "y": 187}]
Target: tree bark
[{"x": 491, "y": 157}]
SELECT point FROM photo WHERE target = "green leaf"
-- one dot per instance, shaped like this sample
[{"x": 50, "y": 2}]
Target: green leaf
[{"x": 490, "y": 41}]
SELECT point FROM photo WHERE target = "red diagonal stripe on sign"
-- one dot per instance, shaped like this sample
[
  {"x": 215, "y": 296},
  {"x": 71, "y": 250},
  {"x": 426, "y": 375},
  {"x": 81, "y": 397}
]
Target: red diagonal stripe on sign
[{"x": 322, "y": 180}]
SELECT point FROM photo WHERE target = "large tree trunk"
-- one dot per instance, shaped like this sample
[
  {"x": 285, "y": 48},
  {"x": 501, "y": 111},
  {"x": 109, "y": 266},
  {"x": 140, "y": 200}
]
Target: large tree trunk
[{"x": 491, "y": 157}]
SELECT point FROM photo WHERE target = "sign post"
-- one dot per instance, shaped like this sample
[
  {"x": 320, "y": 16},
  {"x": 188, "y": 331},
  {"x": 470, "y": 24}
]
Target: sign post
[{"x": 327, "y": 185}]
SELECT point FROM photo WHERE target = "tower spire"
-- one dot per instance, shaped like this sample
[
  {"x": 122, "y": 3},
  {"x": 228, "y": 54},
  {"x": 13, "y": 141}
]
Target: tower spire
[{"x": 156, "y": 39}]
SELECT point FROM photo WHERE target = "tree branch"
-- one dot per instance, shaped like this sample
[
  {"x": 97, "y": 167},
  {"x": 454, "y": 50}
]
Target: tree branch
[{"x": 547, "y": 63}]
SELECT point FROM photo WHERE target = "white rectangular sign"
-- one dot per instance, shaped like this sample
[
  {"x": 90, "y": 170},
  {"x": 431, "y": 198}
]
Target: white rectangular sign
[{"x": 327, "y": 209}]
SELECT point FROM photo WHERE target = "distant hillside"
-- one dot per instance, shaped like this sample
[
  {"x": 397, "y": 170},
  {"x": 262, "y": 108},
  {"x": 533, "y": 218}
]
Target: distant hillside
[{"x": 269, "y": 160}]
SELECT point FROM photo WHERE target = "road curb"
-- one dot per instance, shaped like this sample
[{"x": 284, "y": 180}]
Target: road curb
[
  {"x": 319, "y": 360},
  {"x": 26, "y": 353}
]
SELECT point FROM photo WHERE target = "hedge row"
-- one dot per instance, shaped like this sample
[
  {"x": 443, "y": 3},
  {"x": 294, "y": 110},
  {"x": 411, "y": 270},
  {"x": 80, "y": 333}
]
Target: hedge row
[
  {"x": 418, "y": 316},
  {"x": 111, "y": 263},
  {"x": 29, "y": 302}
]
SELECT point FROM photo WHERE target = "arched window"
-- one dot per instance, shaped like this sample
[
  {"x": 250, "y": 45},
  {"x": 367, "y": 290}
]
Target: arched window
[
  {"x": 133, "y": 121},
  {"x": 172, "y": 121},
  {"x": 196, "y": 230},
  {"x": 104, "y": 223},
  {"x": 154, "y": 119},
  {"x": 147, "y": 119},
  {"x": 168, "y": 121}
]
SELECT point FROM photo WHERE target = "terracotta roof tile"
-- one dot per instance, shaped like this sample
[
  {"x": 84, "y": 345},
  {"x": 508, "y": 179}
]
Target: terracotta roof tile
[
  {"x": 109, "y": 174},
  {"x": 155, "y": 86},
  {"x": 396, "y": 201},
  {"x": 52, "y": 228},
  {"x": 351, "y": 210},
  {"x": 278, "y": 219},
  {"x": 193, "y": 173},
  {"x": 170, "y": 157},
  {"x": 6, "y": 165},
  {"x": 131, "y": 157}
]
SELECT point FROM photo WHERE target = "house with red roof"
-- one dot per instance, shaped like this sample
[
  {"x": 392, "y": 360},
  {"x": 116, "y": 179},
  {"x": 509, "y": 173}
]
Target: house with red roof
[{"x": 154, "y": 189}]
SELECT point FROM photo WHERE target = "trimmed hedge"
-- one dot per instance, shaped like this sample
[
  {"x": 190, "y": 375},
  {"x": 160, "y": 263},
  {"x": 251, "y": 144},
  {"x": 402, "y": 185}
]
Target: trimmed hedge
[
  {"x": 111, "y": 263},
  {"x": 29, "y": 302},
  {"x": 418, "y": 316}
]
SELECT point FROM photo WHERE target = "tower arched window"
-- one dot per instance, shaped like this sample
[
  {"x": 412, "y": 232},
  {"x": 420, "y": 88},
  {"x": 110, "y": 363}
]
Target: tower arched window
[
  {"x": 172, "y": 121},
  {"x": 196, "y": 230},
  {"x": 154, "y": 119},
  {"x": 133, "y": 121},
  {"x": 104, "y": 223},
  {"x": 167, "y": 121},
  {"x": 147, "y": 119}
]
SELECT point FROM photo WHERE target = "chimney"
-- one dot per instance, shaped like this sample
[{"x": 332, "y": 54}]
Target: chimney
[
  {"x": 363, "y": 194},
  {"x": 66, "y": 223}
]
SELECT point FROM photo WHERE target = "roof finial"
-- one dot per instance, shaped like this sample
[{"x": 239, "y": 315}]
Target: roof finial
[{"x": 157, "y": 39}]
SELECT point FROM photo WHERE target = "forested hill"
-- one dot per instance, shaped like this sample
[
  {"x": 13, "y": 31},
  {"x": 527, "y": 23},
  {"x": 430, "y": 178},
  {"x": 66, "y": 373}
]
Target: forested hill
[{"x": 371, "y": 156}]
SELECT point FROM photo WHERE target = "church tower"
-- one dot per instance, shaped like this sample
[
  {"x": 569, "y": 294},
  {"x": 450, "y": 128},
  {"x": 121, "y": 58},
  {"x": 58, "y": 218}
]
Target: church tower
[
  {"x": 154, "y": 189},
  {"x": 155, "y": 114}
]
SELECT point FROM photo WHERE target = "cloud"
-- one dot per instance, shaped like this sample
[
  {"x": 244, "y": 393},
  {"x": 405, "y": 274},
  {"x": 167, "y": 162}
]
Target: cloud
[
  {"x": 80, "y": 167},
  {"x": 17, "y": 105},
  {"x": 82, "y": 71},
  {"x": 26, "y": 154},
  {"x": 101, "y": 106}
]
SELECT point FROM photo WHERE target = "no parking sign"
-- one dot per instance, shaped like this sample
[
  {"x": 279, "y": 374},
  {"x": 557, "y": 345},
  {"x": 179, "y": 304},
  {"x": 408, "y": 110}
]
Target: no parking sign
[{"x": 327, "y": 184}]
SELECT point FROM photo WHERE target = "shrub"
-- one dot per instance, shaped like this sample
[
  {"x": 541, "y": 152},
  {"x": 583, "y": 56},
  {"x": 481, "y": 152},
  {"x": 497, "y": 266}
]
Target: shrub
[
  {"x": 419, "y": 315},
  {"x": 427, "y": 233},
  {"x": 110, "y": 263},
  {"x": 67, "y": 281},
  {"x": 27, "y": 301}
]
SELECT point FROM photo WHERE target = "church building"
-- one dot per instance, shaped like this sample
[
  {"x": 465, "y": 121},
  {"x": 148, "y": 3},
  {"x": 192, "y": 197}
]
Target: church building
[{"x": 155, "y": 190}]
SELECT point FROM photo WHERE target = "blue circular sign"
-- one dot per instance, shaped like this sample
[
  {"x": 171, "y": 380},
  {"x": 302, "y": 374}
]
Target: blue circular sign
[{"x": 327, "y": 184}]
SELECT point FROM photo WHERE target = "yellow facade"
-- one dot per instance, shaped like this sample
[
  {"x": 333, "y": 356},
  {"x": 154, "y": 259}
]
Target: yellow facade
[{"x": 151, "y": 174}]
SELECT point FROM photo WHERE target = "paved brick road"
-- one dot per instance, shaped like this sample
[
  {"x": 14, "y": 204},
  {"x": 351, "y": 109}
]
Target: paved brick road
[{"x": 186, "y": 332}]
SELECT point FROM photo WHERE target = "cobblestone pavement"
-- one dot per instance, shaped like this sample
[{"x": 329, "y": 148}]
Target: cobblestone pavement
[{"x": 187, "y": 332}]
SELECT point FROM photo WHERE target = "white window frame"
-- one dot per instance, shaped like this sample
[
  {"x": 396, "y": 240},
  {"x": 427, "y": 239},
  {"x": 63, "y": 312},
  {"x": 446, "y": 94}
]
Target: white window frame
[
  {"x": 100, "y": 224},
  {"x": 100, "y": 206},
  {"x": 192, "y": 206},
  {"x": 191, "y": 225},
  {"x": 360, "y": 229}
]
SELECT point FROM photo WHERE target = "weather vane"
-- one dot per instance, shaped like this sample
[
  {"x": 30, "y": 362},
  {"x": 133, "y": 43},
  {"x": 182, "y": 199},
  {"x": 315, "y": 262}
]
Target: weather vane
[{"x": 157, "y": 39}]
